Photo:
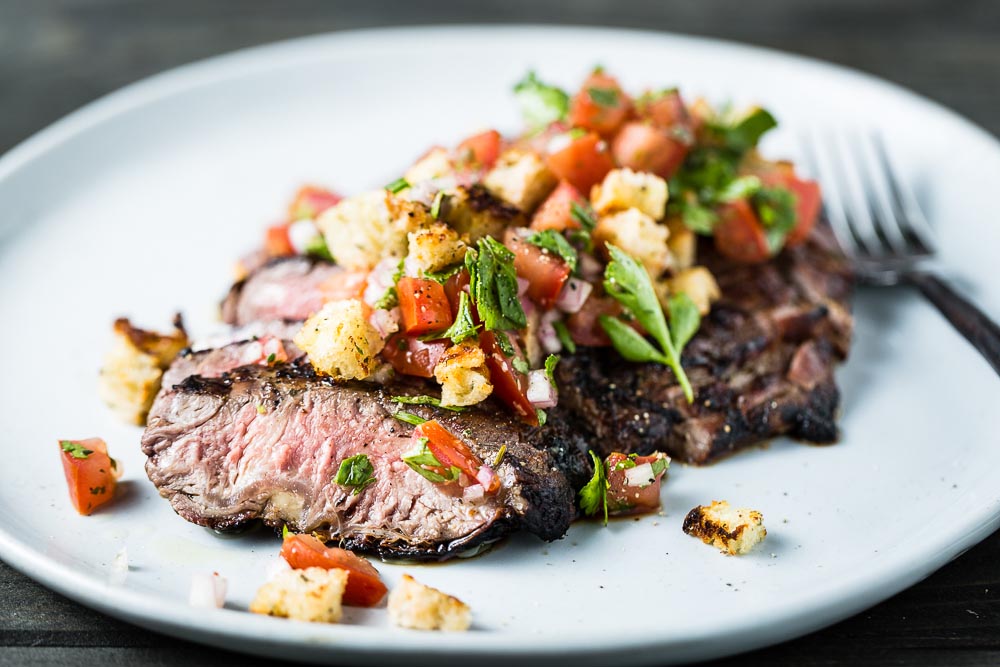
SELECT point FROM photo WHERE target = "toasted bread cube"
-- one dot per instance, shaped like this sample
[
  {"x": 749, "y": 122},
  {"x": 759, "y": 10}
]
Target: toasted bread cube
[
  {"x": 419, "y": 607},
  {"x": 623, "y": 189},
  {"x": 435, "y": 248},
  {"x": 364, "y": 229},
  {"x": 683, "y": 244},
  {"x": 133, "y": 368},
  {"x": 463, "y": 375},
  {"x": 699, "y": 284},
  {"x": 638, "y": 235},
  {"x": 474, "y": 212},
  {"x": 340, "y": 341},
  {"x": 435, "y": 163},
  {"x": 733, "y": 531},
  {"x": 314, "y": 594},
  {"x": 520, "y": 178}
]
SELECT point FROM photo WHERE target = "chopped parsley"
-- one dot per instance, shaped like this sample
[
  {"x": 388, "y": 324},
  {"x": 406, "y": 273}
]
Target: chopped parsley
[
  {"x": 556, "y": 244},
  {"x": 356, "y": 472},
  {"x": 626, "y": 280},
  {"x": 398, "y": 186},
  {"x": 388, "y": 300},
  {"x": 541, "y": 104},
  {"x": 594, "y": 495},
  {"x": 562, "y": 333},
  {"x": 541, "y": 416},
  {"x": 424, "y": 400},
  {"x": 436, "y": 204},
  {"x": 317, "y": 248},
  {"x": 271, "y": 357},
  {"x": 75, "y": 449},
  {"x": 583, "y": 214},
  {"x": 551, "y": 362},
  {"x": 775, "y": 208},
  {"x": 420, "y": 458},
  {"x": 493, "y": 286},
  {"x": 520, "y": 365},
  {"x": 443, "y": 275},
  {"x": 408, "y": 417},
  {"x": 604, "y": 97}
]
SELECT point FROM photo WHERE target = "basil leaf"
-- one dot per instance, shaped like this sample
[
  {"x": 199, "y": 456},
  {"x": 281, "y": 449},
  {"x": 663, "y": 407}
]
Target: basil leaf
[
  {"x": 746, "y": 133},
  {"x": 775, "y": 208},
  {"x": 356, "y": 472},
  {"x": 541, "y": 104},
  {"x": 684, "y": 320},
  {"x": 594, "y": 495},
  {"x": 628, "y": 342},
  {"x": 660, "y": 465},
  {"x": 583, "y": 214},
  {"x": 556, "y": 244},
  {"x": 494, "y": 287},
  {"x": 464, "y": 327},
  {"x": 421, "y": 456}
]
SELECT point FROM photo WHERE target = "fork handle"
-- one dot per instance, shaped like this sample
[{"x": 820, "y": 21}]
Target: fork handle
[{"x": 974, "y": 324}]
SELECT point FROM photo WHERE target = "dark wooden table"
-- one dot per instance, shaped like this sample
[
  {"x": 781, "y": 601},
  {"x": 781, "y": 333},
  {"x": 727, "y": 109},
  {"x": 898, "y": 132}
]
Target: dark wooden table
[{"x": 56, "y": 55}]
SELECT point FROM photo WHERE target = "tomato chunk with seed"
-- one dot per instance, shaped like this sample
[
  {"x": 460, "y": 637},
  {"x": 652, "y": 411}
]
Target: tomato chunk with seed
[
  {"x": 412, "y": 356},
  {"x": 584, "y": 162},
  {"x": 423, "y": 305},
  {"x": 556, "y": 212},
  {"x": 91, "y": 474},
  {"x": 509, "y": 384},
  {"x": 545, "y": 272},
  {"x": 646, "y": 147},
  {"x": 665, "y": 109},
  {"x": 452, "y": 452},
  {"x": 277, "y": 242},
  {"x": 310, "y": 201},
  {"x": 634, "y": 482},
  {"x": 739, "y": 234},
  {"x": 364, "y": 587},
  {"x": 480, "y": 151},
  {"x": 601, "y": 105}
]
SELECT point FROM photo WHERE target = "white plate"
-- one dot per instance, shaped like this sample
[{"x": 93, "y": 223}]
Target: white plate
[{"x": 138, "y": 203}]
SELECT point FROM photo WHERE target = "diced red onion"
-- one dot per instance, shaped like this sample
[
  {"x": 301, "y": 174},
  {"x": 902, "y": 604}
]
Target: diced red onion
[
  {"x": 641, "y": 475},
  {"x": 485, "y": 476},
  {"x": 541, "y": 392},
  {"x": 573, "y": 294},
  {"x": 522, "y": 286},
  {"x": 423, "y": 192},
  {"x": 590, "y": 267},
  {"x": 380, "y": 279},
  {"x": 547, "y": 336},
  {"x": 474, "y": 492},
  {"x": 301, "y": 234},
  {"x": 386, "y": 322},
  {"x": 208, "y": 591}
]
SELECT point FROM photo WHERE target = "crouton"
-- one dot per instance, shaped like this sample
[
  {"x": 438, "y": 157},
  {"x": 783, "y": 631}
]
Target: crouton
[
  {"x": 435, "y": 163},
  {"x": 362, "y": 230},
  {"x": 683, "y": 243},
  {"x": 520, "y": 178},
  {"x": 623, "y": 189},
  {"x": 313, "y": 594},
  {"x": 733, "y": 531},
  {"x": 435, "y": 248},
  {"x": 419, "y": 607},
  {"x": 699, "y": 284},
  {"x": 638, "y": 235},
  {"x": 133, "y": 368},
  {"x": 340, "y": 341},
  {"x": 474, "y": 212},
  {"x": 463, "y": 375}
]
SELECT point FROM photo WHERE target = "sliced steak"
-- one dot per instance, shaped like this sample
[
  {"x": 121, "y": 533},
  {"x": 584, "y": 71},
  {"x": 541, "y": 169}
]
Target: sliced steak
[
  {"x": 261, "y": 442},
  {"x": 284, "y": 289},
  {"x": 761, "y": 365}
]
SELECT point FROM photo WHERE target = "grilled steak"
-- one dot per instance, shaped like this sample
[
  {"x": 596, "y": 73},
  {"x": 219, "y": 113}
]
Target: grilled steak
[
  {"x": 266, "y": 443},
  {"x": 284, "y": 289},
  {"x": 761, "y": 365}
]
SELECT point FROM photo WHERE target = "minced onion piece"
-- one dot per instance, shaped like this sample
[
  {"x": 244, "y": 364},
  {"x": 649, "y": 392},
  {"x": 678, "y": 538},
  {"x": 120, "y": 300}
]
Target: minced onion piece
[
  {"x": 386, "y": 322},
  {"x": 485, "y": 476},
  {"x": 301, "y": 234},
  {"x": 541, "y": 393},
  {"x": 474, "y": 492},
  {"x": 208, "y": 591},
  {"x": 589, "y": 266},
  {"x": 522, "y": 286},
  {"x": 548, "y": 338},
  {"x": 640, "y": 476},
  {"x": 380, "y": 280},
  {"x": 574, "y": 293}
]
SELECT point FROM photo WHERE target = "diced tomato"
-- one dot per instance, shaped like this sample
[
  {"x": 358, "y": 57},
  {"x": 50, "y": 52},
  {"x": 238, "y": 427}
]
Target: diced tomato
[
  {"x": 584, "y": 162},
  {"x": 638, "y": 491},
  {"x": 739, "y": 234},
  {"x": 91, "y": 474},
  {"x": 584, "y": 326},
  {"x": 509, "y": 384},
  {"x": 480, "y": 151},
  {"x": 344, "y": 285},
  {"x": 310, "y": 201},
  {"x": 663, "y": 109},
  {"x": 807, "y": 200},
  {"x": 423, "y": 305},
  {"x": 412, "y": 356},
  {"x": 364, "y": 587},
  {"x": 556, "y": 211},
  {"x": 545, "y": 272},
  {"x": 451, "y": 451},
  {"x": 601, "y": 105},
  {"x": 644, "y": 147},
  {"x": 276, "y": 241},
  {"x": 453, "y": 288}
]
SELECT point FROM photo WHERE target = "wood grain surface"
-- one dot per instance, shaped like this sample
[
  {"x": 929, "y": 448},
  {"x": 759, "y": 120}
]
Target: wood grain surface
[{"x": 56, "y": 55}]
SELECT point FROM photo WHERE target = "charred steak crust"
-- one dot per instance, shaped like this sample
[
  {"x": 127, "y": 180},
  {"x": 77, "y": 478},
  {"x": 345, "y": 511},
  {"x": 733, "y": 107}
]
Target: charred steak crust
[
  {"x": 761, "y": 365},
  {"x": 266, "y": 442}
]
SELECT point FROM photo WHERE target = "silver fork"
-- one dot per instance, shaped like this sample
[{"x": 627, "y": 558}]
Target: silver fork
[{"x": 881, "y": 229}]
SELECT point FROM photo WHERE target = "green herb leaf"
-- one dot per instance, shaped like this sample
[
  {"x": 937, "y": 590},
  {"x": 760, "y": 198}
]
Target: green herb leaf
[
  {"x": 356, "y": 472},
  {"x": 660, "y": 465},
  {"x": 594, "y": 495},
  {"x": 551, "y": 362},
  {"x": 388, "y": 300},
  {"x": 317, "y": 248},
  {"x": 398, "y": 186},
  {"x": 629, "y": 343},
  {"x": 436, "y": 204},
  {"x": 503, "y": 342},
  {"x": 563, "y": 334},
  {"x": 464, "y": 326},
  {"x": 285, "y": 533},
  {"x": 605, "y": 97},
  {"x": 775, "y": 208},
  {"x": 408, "y": 417},
  {"x": 520, "y": 365},
  {"x": 74, "y": 449},
  {"x": 493, "y": 285},
  {"x": 699, "y": 219},
  {"x": 541, "y": 416},
  {"x": 626, "y": 463},
  {"x": 443, "y": 275},
  {"x": 271, "y": 357},
  {"x": 584, "y": 215},
  {"x": 500, "y": 456},
  {"x": 746, "y": 133},
  {"x": 540, "y": 103},
  {"x": 684, "y": 320},
  {"x": 740, "y": 188},
  {"x": 421, "y": 456},
  {"x": 556, "y": 244},
  {"x": 425, "y": 400}
]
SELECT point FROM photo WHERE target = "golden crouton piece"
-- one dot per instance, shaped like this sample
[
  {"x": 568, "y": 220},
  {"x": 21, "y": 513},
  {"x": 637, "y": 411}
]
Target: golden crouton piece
[
  {"x": 314, "y": 594},
  {"x": 340, "y": 341},
  {"x": 435, "y": 248},
  {"x": 364, "y": 229},
  {"x": 699, "y": 284},
  {"x": 474, "y": 212},
  {"x": 463, "y": 375},
  {"x": 520, "y": 178},
  {"x": 435, "y": 163},
  {"x": 683, "y": 243},
  {"x": 732, "y": 531},
  {"x": 413, "y": 605},
  {"x": 638, "y": 235},
  {"x": 133, "y": 368},
  {"x": 623, "y": 189}
]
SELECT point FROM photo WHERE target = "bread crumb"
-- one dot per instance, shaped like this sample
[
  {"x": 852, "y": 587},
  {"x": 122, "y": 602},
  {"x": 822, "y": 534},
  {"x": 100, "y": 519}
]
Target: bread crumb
[
  {"x": 419, "y": 607},
  {"x": 731, "y": 530}
]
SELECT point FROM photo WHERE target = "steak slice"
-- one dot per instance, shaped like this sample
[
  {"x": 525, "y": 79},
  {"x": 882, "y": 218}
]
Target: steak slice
[
  {"x": 761, "y": 365},
  {"x": 283, "y": 289},
  {"x": 261, "y": 442}
]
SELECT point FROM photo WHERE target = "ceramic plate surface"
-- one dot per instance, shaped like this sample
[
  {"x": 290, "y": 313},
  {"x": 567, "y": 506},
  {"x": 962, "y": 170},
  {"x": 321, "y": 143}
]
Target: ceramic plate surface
[{"x": 139, "y": 203}]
